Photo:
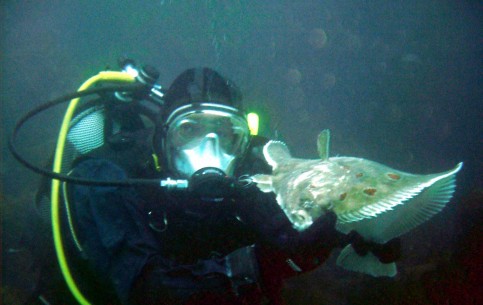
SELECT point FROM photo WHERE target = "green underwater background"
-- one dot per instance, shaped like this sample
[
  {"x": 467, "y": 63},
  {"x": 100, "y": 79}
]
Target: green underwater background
[{"x": 397, "y": 82}]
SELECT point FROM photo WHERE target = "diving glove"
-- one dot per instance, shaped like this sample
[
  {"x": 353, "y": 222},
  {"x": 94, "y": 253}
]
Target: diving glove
[
  {"x": 386, "y": 253},
  {"x": 242, "y": 267}
]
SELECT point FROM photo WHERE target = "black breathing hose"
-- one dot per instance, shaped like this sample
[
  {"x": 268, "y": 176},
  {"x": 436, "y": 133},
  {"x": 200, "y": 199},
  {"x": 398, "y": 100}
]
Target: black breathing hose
[{"x": 106, "y": 89}]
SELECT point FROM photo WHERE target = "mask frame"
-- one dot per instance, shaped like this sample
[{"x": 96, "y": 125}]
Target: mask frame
[{"x": 202, "y": 135}]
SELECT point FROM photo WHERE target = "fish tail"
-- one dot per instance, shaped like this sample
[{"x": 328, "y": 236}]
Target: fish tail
[{"x": 369, "y": 263}]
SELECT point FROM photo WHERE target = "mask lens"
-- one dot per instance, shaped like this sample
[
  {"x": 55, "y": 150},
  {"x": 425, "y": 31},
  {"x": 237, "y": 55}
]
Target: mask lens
[
  {"x": 190, "y": 129},
  {"x": 205, "y": 135}
]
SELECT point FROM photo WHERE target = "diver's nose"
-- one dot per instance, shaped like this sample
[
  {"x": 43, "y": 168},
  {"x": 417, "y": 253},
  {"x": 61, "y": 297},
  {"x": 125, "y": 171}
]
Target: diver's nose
[{"x": 210, "y": 144}]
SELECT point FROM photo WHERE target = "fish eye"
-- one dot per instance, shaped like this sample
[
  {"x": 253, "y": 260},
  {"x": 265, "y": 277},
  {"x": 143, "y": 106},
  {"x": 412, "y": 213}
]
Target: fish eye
[{"x": 302, "y": 217}]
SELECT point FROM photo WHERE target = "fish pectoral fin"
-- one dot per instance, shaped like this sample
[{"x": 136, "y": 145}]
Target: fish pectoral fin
[
  {"x": 368, "y": 264},
  {"x": 407, "y": 208},
  {"x": 421, "y": 208},
  {"x": 264, "y": 182},
  {"x": 276, "y": 152}
]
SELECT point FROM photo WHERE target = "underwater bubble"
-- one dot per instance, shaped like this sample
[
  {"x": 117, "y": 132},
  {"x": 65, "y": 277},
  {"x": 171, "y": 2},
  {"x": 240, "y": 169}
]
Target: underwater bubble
[
  {"x": 444, "y": 130},
  {"x": 293, "y": 76},
  {"x": 411, "y": 58},
  {"x": 409, "y": 157},
  {"x": 295, "y": 99},
  {"x": 427, "y": 110},
  {"x": 353, "y": 42},
  {"x": 395, "y": 113},
  {"x": 380, "y": 67},
  {"x": 304, "y": 115},
  {"x": 328, "y": 81},
  {"x": 317, "y": 38}
]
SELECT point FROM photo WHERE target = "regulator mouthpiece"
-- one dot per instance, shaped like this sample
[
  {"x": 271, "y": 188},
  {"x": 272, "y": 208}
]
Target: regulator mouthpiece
[{"x": 211, "y": 184}]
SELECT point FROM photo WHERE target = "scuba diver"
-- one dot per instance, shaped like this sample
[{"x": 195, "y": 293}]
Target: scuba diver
[{"x": 215, "y": 240}]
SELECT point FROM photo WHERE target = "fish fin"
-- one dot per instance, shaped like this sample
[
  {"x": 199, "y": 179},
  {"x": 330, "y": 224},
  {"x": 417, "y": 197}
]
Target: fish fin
[
  {"x": 368, "y": 264},
  {"x": 417, "y": 200},
  {"x": 275, "y": 152},
  {"x": 418, "y": 210},
  {"x": 264, "y": 182},
  {"x": 407, "y": 210},
  {"x": 323, "y": 142}
]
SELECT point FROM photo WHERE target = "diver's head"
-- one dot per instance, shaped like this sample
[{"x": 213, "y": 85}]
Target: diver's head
[{"x": 203, "y": 125}]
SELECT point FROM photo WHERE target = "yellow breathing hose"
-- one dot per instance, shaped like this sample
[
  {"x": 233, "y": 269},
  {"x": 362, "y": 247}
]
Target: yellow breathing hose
[{"x": 104, "y": 76}]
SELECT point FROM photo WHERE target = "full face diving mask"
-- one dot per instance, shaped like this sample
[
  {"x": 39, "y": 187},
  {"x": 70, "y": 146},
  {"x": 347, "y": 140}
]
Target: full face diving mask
[{"x": 205, "y": 135}]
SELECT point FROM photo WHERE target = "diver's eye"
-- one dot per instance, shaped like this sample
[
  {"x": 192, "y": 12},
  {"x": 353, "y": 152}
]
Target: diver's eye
[{"x": 187, "y": 130}]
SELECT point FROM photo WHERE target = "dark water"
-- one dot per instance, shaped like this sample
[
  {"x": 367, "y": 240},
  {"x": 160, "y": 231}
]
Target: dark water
[{"x": 398, "y": 82}]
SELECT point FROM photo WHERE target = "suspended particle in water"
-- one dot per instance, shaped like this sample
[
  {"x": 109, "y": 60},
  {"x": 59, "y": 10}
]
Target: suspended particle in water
[
  {"x": 317, "y": 38},
  {"x": 293, "y": 76},
  {"x": 328, "y": 81}
]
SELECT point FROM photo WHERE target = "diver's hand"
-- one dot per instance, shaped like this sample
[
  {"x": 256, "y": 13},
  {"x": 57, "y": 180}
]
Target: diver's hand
[
  {"x": 322, "y": 230},
  {"x": 242, "y": 267},
  {"x": 386, "y": 253},
  {"x": 261, "y": 212}
]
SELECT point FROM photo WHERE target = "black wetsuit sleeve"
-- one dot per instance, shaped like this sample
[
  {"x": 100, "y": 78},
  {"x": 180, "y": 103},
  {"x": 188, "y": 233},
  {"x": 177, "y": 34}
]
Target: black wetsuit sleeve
[{"x": 122, "y": 250}]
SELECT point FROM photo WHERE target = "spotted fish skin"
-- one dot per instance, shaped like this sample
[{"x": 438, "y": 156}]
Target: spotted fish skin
[
  {"x": 378, "y": 202},
  {"x": 344, "y": 185}
]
